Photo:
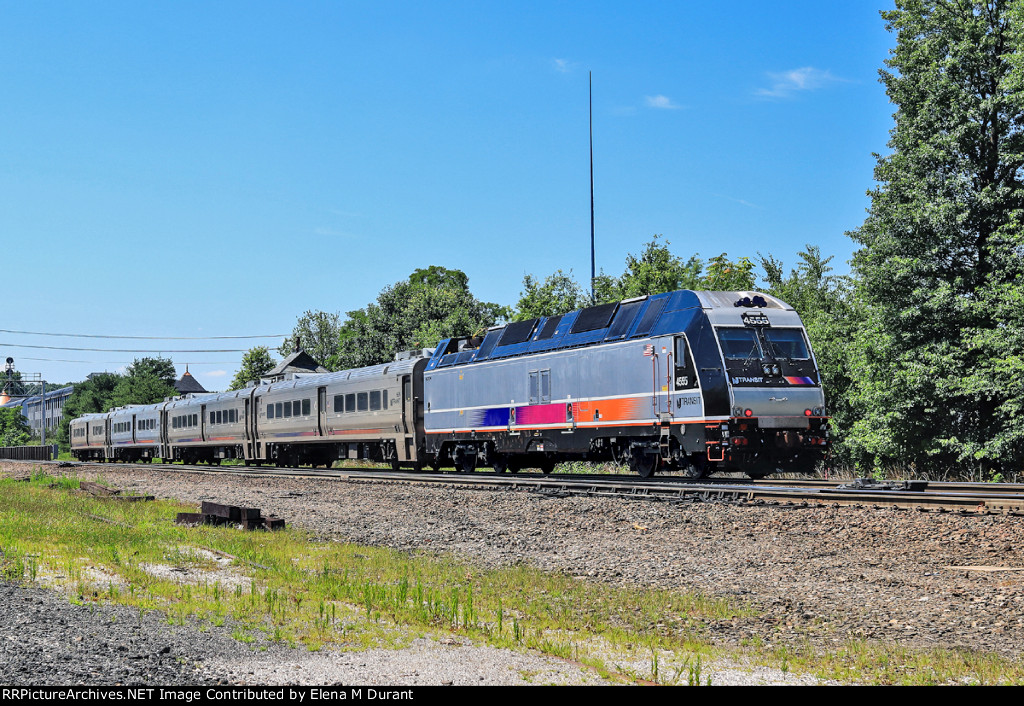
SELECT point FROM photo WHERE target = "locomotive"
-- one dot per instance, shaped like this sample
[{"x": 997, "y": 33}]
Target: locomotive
[{"x": 686, "y": 381}]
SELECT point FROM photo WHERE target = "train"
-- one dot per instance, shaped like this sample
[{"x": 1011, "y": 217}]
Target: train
[{"x": 691, "y": 382}]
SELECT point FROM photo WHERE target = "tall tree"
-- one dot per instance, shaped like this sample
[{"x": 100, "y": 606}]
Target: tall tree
[
  {"x": 823, "y": 301},
  {"x": 255, "y": 364},
  {"x": 146, "y": 380},
  {"x": 14, "y": 429},
  {"x": 433, "y": 304},
  {"x": 657, "y": 270},
  {"x": 937, "y": 362},
  {"x": 317, "y": 333},
  {"x": 556, "y": 294},
  {"x": 94, "y": 394}
]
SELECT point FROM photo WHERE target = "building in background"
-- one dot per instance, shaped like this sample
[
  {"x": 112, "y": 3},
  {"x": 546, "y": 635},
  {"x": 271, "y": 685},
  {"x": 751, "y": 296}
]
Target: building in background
[{"x": 34, "y": 413}]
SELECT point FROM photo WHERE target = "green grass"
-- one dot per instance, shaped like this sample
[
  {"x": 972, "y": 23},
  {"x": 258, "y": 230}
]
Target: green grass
[{"x": 284, "y": 587}]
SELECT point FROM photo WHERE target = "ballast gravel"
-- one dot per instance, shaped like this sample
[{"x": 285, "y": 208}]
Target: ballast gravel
[{"x": 817, "y": 574}]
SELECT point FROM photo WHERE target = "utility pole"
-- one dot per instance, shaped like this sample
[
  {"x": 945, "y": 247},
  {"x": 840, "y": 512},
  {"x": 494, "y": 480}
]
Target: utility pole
[{"x": 593, "y": 270}]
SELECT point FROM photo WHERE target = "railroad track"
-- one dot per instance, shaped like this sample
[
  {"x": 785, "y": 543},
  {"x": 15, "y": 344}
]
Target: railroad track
[{"x": 975, "y": 498}]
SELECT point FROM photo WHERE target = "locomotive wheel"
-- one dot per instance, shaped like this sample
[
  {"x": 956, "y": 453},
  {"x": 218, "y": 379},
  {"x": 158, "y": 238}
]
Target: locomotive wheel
[
  {"x": 500, "y": 463},
  {"x": 546, "y": 466},
  {"x": 464, "y": 462},
  {"x": 643, "y": 463},
  {"x": 694, "y": 468}
]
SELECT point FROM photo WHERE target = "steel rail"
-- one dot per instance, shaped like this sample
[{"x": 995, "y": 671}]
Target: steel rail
[{"x": 985, "y": 498}]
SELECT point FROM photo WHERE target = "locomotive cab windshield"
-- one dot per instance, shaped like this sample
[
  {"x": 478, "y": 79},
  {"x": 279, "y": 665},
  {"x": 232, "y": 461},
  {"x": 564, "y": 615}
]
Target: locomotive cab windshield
[{"x": 767, "y": 356}]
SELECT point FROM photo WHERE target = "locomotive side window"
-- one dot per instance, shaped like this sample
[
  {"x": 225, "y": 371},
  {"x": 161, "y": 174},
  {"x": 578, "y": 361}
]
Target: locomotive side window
[
  {"x": 305, "y": 408},
  {"x": 270, "y": 411},
  {"x": 787, "y": 343},
  {"x": 350, "y": 402},
  {"x": 739, "y": 343},
  {"x": 287, "y": 409},
  {"x": 384, "y": 399},
  {"x": 362, "y": 401},
  {"x": 296, "y": 409},
  {"x": 685, "y": 371},
  {"x": 374, "y": 400},
  {"x": 339, "y": 403}
]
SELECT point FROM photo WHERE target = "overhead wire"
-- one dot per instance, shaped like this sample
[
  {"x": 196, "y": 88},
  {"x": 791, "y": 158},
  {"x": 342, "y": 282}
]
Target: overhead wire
[
  {"x": 145, "y": 338},
  {"x": 127, "y": 350}
]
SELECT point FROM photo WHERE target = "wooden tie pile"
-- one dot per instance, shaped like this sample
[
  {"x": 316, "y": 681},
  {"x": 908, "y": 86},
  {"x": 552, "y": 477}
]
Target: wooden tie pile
[{"x": 248, "y": 518}]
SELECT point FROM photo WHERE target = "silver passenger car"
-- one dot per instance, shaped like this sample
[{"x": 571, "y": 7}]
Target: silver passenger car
[
  {"x": 365, "y": 413},
  {"x": 89, "y": 440}
]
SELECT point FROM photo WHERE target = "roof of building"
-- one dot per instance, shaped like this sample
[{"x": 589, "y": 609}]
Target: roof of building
[
  {"x": 298, "y": 362},
  {"x": 188, "y": 384}
]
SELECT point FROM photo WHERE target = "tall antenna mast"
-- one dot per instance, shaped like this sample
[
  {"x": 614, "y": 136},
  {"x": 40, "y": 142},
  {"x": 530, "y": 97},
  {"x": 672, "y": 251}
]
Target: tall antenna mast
[{"x": 593, "y": 271}]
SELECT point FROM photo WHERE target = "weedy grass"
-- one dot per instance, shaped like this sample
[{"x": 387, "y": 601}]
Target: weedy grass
[
  {"x": 859, "y": 661},
  {"x": 285, "y": 587}
]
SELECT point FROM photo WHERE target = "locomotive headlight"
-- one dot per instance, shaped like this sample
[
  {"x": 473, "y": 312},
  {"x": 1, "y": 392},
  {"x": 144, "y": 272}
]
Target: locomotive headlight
[
  {"x": 819, "y": 411},
  {"x": 737, "y": 411},
  {"x": 766, "y": 369},
  {"x": 775, "y": 370}
]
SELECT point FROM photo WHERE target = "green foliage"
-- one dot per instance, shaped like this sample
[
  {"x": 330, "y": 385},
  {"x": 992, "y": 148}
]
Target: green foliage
[
  {"x": 653, "y": 271},
  {"x": 824, "y": 302},
  {"x": 317, "y": 332},
  {"x": 94, "y": 394},
  {"x": 14, "y": 429},
  {"x": 656, "y": 270},
  {"x": 936, "y": 362},
  {"x": 146, "y": 381},
  {"x": 255, "y": 363},
  {"x": 557, "y": 294},
  {"x": 433, "y": 304}
]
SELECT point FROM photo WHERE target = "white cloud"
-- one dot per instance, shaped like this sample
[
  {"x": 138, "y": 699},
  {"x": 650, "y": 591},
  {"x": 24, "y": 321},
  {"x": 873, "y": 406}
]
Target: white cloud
[
  {"x": 216, "y": 373},
  {"x": 787, "y": 83},
  {"x": 563, "y": 66},
  {"x": 661, "y": 102}
]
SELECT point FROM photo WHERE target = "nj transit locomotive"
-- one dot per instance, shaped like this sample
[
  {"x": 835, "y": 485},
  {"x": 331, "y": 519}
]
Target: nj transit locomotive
[{"x": 687, "y": 381}]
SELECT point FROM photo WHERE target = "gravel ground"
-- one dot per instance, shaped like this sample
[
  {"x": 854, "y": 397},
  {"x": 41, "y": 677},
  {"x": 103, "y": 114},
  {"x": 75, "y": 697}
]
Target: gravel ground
[{"x": 820, "y": 574}]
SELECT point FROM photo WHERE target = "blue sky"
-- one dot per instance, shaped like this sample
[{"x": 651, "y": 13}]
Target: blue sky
[{"x": 215, "y": 169}]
